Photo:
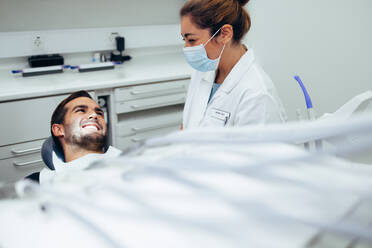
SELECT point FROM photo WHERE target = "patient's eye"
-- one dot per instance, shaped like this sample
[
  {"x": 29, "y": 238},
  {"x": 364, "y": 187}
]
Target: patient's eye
[{"x": 80, "y": 110}]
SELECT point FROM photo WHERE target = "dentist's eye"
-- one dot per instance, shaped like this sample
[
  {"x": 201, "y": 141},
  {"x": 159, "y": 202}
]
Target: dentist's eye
[{"x": 191, "y": 41}]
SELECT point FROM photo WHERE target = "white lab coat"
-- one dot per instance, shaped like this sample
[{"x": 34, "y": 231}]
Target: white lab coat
[{"x": 247, "y": 96}]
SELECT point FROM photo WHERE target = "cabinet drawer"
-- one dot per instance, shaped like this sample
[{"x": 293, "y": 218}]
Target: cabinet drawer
[
  {"x": 150, "y": 90},
  {"x": 27, "y": 120},
  {"x": 149, "y": 103},
  {"x": 147, "y": 123},
  {"x": 21, "y": 149},
  {"x": 128, "y": 141},
  {"x": 13, "y": 169}
]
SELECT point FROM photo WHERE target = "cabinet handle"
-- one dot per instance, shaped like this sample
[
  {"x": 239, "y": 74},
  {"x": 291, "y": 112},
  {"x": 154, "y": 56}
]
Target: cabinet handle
[
  {"x": 141, "y": 129},
  {"x": 27, "y": 163},
  {"x": 158, "y": 105},
  {"x": 31, "y": 150},
  {"x": 165, "y": 91}
]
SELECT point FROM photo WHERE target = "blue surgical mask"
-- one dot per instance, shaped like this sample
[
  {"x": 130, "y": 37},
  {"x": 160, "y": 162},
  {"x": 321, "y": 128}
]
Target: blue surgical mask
[{"x": 198, "y": 59}]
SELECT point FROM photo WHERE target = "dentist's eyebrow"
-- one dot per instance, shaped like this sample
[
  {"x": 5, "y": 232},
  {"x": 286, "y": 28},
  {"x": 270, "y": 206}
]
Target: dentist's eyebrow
[{"x": 187, "y": 34}]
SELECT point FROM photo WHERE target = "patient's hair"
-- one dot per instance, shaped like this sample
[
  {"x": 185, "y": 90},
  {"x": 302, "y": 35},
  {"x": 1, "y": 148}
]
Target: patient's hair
[
  {"x": 213, "y": 14},
  {"x": 59, "y": 113}
]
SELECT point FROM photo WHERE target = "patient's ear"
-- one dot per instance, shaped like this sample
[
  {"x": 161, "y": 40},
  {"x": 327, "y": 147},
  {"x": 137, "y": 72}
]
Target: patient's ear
[{"x": 58, "y": 130}]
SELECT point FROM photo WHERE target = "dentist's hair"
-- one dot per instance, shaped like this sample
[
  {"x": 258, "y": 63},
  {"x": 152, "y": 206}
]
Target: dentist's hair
[
  {"x": 59, "y": 113},
  {"x": 213, "y": 14}
]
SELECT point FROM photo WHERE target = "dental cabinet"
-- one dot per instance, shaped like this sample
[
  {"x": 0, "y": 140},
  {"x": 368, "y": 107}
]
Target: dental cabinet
[
  {"x": 144, "y": 111},
  {"x": 24, "y": 126},
  {"x": 142, "y": 98}
]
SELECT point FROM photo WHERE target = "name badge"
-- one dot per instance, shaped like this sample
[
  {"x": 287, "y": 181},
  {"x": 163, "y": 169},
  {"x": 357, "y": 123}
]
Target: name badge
[{"x": 221, "y": 115}]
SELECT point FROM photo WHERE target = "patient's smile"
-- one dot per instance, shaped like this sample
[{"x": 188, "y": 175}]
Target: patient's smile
[{"x": 92, "y": 126}]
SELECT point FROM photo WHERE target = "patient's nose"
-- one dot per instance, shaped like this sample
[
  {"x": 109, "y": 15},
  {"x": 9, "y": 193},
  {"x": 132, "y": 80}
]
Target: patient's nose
[{"x": 93, "y": 115}]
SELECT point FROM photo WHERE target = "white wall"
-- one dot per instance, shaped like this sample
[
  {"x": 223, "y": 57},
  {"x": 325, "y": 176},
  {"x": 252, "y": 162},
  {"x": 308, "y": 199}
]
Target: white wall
[
  {"x": 30, "y": 15},
  {"x": 327, "y": 42}
]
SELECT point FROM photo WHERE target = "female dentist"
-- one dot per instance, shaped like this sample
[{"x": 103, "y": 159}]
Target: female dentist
[{"x": 228, "y": 87}]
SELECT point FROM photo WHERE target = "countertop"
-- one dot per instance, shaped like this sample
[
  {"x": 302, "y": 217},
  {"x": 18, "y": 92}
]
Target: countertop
[{"x": 140, "y": 69}]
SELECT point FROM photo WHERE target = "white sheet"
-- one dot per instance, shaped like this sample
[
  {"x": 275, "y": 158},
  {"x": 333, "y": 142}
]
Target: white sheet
[{"x": 198, "y": 195}]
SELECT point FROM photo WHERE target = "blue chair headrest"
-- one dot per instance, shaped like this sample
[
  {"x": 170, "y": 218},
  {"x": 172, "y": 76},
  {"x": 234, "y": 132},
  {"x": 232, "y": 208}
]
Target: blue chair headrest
[{"x": 47, "y": 152}]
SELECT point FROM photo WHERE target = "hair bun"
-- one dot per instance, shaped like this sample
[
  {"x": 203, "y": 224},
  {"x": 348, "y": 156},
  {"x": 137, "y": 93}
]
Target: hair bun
[{"x": 243, "y": 2}]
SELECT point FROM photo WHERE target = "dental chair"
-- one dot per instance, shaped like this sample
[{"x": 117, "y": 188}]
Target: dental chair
[{"x": 48, "y": 148}]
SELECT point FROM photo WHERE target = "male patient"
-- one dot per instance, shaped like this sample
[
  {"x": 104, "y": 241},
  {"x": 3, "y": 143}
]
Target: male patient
[{"x": 79, "y": 130}]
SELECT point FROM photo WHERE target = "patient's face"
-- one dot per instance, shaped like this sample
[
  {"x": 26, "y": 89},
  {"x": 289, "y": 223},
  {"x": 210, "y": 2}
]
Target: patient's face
[{"x": 84, "y": 124}]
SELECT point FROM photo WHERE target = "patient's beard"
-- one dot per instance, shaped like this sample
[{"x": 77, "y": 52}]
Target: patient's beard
[{"x": 88, "y": 142}]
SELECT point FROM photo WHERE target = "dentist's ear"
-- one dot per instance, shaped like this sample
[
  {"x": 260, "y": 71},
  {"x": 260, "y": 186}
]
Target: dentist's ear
[
  {"x": 226, "y": 34},
  {"x": 58, "y": 130}
]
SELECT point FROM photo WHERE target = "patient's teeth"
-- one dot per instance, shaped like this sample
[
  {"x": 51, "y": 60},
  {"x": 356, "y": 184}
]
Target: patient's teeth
[{"x": 90, "y": 127}]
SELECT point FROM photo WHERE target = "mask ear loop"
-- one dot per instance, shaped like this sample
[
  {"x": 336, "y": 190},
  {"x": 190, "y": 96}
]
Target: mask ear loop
[
  {"x": 212, "y": 36},
  {"x": 223, "y": 48}
]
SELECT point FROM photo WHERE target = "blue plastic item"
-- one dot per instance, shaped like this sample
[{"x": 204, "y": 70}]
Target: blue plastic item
[{"x": 309, "y": 104}]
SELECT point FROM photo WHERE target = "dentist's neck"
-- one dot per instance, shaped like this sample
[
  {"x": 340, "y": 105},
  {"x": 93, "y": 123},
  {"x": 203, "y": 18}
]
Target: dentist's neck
[{"x": 230, "y": 57}]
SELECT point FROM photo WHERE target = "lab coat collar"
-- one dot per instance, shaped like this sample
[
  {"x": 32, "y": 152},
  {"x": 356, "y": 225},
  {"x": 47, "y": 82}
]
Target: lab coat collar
[
  {"x": 235, "y": 74},
  {"x": 209, "y": 77}
]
